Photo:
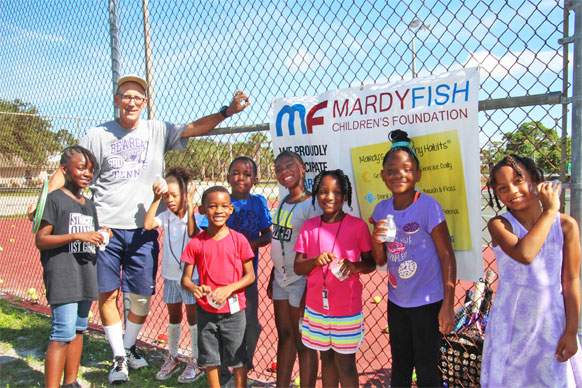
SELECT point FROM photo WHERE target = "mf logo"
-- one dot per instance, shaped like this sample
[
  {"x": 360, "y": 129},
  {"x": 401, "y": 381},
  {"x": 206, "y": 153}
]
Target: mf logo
[{"x": 307, "y": 122}]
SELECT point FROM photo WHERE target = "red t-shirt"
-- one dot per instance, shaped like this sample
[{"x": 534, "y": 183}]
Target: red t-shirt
[{"x": 219, "y": 263}]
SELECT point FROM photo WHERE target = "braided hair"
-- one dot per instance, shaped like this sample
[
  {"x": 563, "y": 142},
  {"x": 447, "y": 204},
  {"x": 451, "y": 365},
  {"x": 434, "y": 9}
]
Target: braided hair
[
  {"x": 517, "y": 164},
  {"x": 182, "y": 176},
  {"x": 343, "y": 180},
  {"x": 400, "y": 142},
  {"x": 77, "y": 149}
]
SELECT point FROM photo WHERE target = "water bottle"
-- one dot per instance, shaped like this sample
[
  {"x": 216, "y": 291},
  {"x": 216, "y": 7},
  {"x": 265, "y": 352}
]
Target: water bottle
[{"x": 390, "y": 234}]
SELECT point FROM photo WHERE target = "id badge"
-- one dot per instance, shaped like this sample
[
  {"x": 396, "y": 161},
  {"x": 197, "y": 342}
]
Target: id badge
[
  {"x": 284, "y": 275},
  {"x": 233, "y": 305},
  {"x": 324, "y": 299}
]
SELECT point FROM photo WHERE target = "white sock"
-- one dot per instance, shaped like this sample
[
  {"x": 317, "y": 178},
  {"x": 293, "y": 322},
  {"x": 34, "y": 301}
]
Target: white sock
[
  {"x": 131, "y": 333},
  {"x": 114, "y": 336},
  {"x": 194, "y": 340},
  {"x": 173, "y": 338}
]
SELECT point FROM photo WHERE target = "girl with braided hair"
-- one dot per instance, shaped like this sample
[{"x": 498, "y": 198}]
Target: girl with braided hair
[
  {"x": 421, "y": 268},
  {"x": 332, "y": 251},
  {"x": 531, "y": 338}
]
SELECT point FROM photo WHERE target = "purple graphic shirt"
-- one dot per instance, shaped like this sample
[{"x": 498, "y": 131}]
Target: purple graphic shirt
[{"x": 415, "y": 277}]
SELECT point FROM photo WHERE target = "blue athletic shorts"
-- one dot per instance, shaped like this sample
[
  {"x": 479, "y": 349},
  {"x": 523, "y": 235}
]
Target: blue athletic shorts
[
  {"x": 129, "y": 261},
  {"x": 68, "y": 319}
]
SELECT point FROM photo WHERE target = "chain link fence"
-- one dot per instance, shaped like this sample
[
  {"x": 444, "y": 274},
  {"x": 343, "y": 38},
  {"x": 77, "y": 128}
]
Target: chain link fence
[{"x": 58, "y": 61}]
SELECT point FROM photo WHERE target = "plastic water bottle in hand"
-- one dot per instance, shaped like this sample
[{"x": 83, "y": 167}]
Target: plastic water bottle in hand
[
  {"x": 105, "y": 234},
  {"x": 162, "y": 183},
  {"x": 336, "y": 269},
  {"x": 390, "y": 234}
]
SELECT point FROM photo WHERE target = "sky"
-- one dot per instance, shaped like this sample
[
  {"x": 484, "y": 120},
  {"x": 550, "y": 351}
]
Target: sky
[{"x": 56, "y": 55}]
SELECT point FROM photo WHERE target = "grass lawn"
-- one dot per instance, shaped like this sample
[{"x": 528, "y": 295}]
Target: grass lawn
[{"x": 23, "y": 341}]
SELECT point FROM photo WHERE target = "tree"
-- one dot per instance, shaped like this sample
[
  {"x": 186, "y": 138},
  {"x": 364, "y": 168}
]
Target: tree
[
  {"x": 26, "y": 135},
  {"x": 538, "y": 142},
  {"x": 209, "y": 159}
]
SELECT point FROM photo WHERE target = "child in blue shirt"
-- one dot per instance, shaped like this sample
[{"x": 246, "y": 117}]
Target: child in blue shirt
[{"x": 252, "y": 218}]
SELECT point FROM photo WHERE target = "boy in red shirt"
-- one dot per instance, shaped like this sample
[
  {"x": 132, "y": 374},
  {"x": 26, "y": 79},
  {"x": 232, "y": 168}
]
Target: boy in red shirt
[{"x": 223, "y": 258}]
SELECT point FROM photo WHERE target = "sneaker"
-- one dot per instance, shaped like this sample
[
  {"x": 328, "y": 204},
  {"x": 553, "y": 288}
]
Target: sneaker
[
  {"x": 119, "y": 372},
  {"x": 169, "y": 367},
  {"x": 135, "y": 358},
  {"x": 189, "y": 374}
]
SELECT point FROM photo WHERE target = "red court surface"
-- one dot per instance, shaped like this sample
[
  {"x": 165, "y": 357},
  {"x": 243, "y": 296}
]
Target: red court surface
[{"x": 20, "y": 271}]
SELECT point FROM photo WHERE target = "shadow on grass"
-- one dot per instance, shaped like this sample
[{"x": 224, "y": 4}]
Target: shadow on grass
[
  {"x": 24, "y": 335},
  {"x": 27, "y": 333},
  {"x": 16, "y": 372}
]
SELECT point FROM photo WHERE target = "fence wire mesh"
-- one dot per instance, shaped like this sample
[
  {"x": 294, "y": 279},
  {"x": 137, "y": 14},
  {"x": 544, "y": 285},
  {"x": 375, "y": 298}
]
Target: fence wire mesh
[{"x": 56, "y": 81}]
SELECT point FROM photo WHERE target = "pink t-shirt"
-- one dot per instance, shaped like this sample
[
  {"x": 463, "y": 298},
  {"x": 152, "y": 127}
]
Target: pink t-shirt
[
  {"x": 347, "y": 240},
  {"x": 219, "y": 263}
]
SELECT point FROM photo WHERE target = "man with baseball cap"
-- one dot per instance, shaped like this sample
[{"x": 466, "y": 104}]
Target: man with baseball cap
[{"x": 130, "y": 155}]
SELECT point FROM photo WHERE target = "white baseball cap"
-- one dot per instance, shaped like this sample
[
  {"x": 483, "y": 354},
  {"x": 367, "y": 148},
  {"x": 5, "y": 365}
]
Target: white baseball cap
[{"x": 132, "y": 78}]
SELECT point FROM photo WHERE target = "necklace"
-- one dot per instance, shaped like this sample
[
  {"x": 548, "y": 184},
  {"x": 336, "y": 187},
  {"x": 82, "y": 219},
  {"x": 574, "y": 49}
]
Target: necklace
[
  {"x": 176, "y": 258},
  {"x": 332, "y": 247}
]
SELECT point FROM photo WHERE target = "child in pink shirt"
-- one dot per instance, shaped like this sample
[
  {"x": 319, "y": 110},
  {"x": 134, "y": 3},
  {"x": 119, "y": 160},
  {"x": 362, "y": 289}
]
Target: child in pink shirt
[{"x": 332, "y": 250}]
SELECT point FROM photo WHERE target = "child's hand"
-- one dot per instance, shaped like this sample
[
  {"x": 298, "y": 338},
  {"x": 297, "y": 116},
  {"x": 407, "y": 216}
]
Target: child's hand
[
  {"x": 446, "y": 318},
  {"x": 160, "y": 187},
  {"x": 380, "y": 231},
  {"x": 348, "y": 268},
  {"x": 567, "y": 347},
  {"x": 221, "y": 294},
  {"x": 91, "y": 237},
  {"x": 31, "y": 211},
  {"x": 201, "y": 291},
  {"x": 324, "y": 259},
  {"x": 191, "y": 192},
  {"x": 549, "y": 195}
]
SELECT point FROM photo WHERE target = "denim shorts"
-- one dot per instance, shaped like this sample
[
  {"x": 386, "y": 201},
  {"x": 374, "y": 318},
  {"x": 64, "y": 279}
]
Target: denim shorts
[
  {"x": 174, "y": 293},
  {"x": 68, "y": 319},
  {"x": 129, "y": 261},
  {"x": 220, "y": 334},
  {"x": 293, "y": 292}
]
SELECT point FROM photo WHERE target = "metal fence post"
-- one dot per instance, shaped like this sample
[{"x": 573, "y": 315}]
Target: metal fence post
[
  {"x": 576, "y": 182},
  {"x": 148, "y": 60},
  {"x": 114, "y": 43}
]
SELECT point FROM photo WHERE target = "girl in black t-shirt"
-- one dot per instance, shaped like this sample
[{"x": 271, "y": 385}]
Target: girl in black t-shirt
[{"x": 67, "y": 239}]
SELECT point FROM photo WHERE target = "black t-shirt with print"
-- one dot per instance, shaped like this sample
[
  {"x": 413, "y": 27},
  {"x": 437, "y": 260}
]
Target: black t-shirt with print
[{"x": 69, "y": 270}]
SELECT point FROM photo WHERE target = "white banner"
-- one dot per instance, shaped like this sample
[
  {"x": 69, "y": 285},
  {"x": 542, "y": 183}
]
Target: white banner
[{"x": 349, "y": 128}]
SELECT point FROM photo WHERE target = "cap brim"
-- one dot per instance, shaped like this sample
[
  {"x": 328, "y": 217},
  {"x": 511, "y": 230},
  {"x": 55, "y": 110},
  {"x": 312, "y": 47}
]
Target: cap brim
[{"x": 132, "y": 78}]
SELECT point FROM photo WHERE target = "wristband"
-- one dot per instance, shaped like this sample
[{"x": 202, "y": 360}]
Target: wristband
[{"x": 223, "y": 111}]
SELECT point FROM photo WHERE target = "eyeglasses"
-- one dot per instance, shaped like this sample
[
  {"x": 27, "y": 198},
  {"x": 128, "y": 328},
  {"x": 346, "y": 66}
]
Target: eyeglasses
[{"x": 126, "y": 98}]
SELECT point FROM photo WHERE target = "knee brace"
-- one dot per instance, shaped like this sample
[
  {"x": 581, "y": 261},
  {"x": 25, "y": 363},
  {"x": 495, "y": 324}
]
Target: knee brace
[{"x": 139, "y": 304}]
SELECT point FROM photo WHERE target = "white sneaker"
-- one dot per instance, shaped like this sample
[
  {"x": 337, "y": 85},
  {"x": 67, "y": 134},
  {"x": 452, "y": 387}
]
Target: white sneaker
[
  {"x": 135, "y": 358},
  {"x": 189, "y": 374},
  {"x": 119, "y": 372},
  {"x": 169, "y": 367}
]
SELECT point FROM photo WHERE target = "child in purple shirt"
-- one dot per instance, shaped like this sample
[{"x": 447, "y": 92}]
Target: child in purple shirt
[{"x": 421, "y": 265}]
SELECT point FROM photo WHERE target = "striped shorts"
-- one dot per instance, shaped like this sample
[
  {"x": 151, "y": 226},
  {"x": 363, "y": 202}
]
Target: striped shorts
[
  {"x": 341, "y": 334},
  {"x": 174, "y": 293}
]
